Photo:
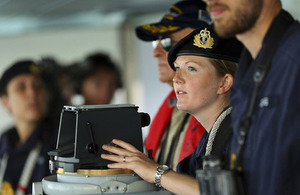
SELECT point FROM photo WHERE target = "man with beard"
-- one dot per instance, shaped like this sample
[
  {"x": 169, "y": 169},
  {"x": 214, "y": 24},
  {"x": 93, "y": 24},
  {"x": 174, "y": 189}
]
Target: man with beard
[{"x": 266, "y": 136}]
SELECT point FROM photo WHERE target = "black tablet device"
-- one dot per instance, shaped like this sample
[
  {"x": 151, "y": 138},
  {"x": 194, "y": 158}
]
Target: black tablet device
[{"x": 84, "y": 129}]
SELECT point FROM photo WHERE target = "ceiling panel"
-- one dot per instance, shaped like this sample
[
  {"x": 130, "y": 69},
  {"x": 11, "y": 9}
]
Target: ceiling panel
[{"x": 19, "y": 16}]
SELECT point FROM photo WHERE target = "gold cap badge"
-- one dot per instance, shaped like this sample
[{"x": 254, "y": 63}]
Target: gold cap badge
[
  {"x": 203, "y": 39},
  {"x": 34, "y": 69}
]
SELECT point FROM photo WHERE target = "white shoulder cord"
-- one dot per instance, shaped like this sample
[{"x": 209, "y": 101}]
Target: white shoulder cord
[
  {"x": 28, "y": 169},
  {"x": 215, "y": 129},
  {"x": 3, "y": 168}
]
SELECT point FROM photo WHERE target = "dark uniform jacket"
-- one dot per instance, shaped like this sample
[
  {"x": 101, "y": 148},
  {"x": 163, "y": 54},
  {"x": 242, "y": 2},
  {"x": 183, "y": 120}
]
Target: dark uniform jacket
[
  {"x": 46, "y": 132},
  {"x": 271, "y": 161}
]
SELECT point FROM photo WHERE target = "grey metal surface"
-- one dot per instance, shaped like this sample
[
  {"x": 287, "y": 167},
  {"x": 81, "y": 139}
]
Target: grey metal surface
[
  {"x": 37, "y": 188},
  {"x": 96, "y": 179},
  {"x": 128, "y": 183}
]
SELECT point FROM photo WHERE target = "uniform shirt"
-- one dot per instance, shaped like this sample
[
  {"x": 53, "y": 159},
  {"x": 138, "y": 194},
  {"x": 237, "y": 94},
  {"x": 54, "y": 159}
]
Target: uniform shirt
[
  {"x": 46, "y": 133},
  {"x": 271, "y": 161}
]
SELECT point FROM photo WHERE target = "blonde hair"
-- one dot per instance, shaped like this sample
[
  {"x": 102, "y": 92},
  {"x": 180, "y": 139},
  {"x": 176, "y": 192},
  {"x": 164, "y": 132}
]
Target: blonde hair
[{"x": 224, "y": 66}]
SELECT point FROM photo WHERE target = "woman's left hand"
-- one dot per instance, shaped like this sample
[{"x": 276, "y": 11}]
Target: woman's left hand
[{"x": 128, "y": 157}]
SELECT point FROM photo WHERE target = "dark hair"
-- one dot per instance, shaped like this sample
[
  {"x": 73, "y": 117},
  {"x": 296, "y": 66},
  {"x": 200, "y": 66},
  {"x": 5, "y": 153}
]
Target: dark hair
[{"x": 52, "y": 72}]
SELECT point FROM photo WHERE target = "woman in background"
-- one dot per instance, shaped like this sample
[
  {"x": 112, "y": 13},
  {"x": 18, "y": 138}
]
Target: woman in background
[{"x": 24, "y": 147}]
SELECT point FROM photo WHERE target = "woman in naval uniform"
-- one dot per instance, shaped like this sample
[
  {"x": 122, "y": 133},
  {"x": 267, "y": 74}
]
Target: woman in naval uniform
[{"x": 205, "y": 66}]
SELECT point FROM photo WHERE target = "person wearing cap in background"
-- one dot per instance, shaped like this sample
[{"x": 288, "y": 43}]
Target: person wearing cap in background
[
  {"x": 173, "y": 134},
  {"x": 24, "y": 147},
  {"x": 97, "y": 78},
  {"x": 205, "y": 66},
  {"x": 266, "y": 119}
]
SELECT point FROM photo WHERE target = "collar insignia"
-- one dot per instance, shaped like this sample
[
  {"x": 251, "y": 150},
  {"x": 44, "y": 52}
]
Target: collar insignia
[
  {"x": 7, "y": 188},
  {"x": 203, "y": 39}
]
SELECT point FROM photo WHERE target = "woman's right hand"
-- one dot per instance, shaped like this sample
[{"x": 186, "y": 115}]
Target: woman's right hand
[{"x": 128, "y": 157}]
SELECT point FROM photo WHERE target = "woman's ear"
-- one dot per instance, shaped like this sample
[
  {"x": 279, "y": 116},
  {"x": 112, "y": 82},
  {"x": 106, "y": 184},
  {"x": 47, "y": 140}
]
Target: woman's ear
[
  {"x": 225, "y": 84},
  {"x": 4, "y": 100}
]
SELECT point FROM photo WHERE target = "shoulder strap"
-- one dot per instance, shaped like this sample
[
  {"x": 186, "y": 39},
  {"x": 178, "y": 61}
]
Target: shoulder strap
[
  {"x": 28, "y": 169},
  {"x": 3, "y": 165},
  {"x": 218, "y": 134},
  {"x": 223, "y": 137},
  {"x": 270, "y": 44}
]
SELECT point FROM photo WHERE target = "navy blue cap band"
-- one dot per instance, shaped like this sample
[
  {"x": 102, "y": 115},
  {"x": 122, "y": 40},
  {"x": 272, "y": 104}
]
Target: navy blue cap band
[{"x": 20, "y": 67}]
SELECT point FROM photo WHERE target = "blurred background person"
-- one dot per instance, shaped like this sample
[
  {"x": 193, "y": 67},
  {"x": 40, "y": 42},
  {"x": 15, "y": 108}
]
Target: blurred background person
[
  {"x": 24, "y": 147},
  {"x": 97, "y": 78},
  {"x": 173, "y": 134},
  {"x": 59, "y": 83}
]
